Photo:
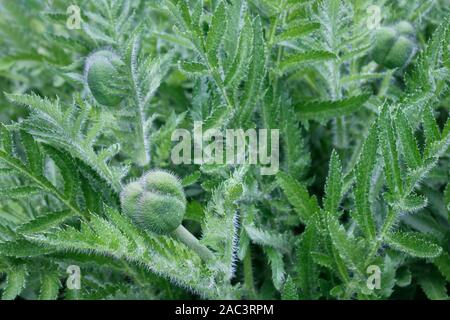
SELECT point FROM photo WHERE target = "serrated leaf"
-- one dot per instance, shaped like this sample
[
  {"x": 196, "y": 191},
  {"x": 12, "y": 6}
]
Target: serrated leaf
[
  {"x": 18, "y": 192},
  {"x": 364, "y": 169},
  {"x": 388, "y": 276},
  {"x": 217, "y": 118},
  {"x": 161, "y": 255},
  {"x": 439, "y": 148},
  {"x": 5, "y": 140},
  {"x": 239, "y": 68},
  {"x": 6, "y": 234},
  {"x": 333, "y": 186},
  {"x": 412, "y": 203},
  {"x": 307, "y": 274},
  {"x": 325, "y": 110},
  {"x": 22, "y": 248},
  {"x": 50, "y": 285},
  {"x": 45, "y": 222},
  {"x": 295, "y": 149},
  {"x": 277, "y": 266},
  {"x": 194, "y": 211},
  {"x": 108, "y": 153},
  {"x": 34, "y": 156},
  {"x": 297, "y": 31},
  {"x": 191, "y": 179},
  {"x": 193, "y": 68},
  {"x": 267, "y": 238},
  {"x": 51, "y": 123},
  {"x": 15, "y": 282},
  {"x": 388, "y": 143},
  {"x": 215, "y": 34},
  {"x": 322, "y": 260},
  {"x": 356, "y": 53},
  {"x": 297, "y": 60},
  {"x": 67, "y": 169},
  {"x": 221, "y": 229},
  {"x": 434, "y": 285},
  {"x": 183, "y": 8},
  {"x": 431, "y": 129},
  {"x": 411, "y": 151},
  {"x": 305, "y": 206},
  {"x": 289, "y": 291},
  {"x": 414, "y": 244},
  {"x": 252, "y": 89},
  {"x": 345, "y": 246},
  {"x": 443, "y": 264}
]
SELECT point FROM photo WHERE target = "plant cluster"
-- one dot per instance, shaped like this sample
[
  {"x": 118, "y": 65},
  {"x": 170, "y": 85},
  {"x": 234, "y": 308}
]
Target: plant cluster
[{"x": 88, "y": 107}]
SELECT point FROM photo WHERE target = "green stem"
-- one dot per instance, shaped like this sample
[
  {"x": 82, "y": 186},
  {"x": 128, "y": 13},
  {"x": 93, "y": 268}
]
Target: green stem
[
  {"x": 280, "y": 51},
  {"x": 143, "y": 156},
  {"x": 385, "y": 83},
  {"x": 342, "y": 270},
  {"x": 183, "y": 235},
  {"x": 390, "y": 219},
  {"x": 249, "y": 281}
]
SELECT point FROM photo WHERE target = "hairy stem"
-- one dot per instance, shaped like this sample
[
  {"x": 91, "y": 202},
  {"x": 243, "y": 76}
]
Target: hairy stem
[
  {"x": 143, "y": 157},
  {"x": 183, "y": 235},
  {"x": 279, "y": 20},
  {"x": 390, "y": 219},
  {"x": 249, "y": 281}
]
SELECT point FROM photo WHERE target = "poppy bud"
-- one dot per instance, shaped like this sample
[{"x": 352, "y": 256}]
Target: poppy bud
[
  {"x": 103, "y": 77},
  {"x": 395, "y": 46}
]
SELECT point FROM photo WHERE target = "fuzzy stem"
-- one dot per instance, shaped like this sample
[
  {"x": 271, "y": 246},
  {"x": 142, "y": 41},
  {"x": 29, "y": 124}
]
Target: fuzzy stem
[
  {"x": 389, "y": 221},
  {"x": 183, "y": 235},
  {"x": 249, "y": 281},
  {"x": 279, "y": 19},
  {"x": 143, "y": 157}
]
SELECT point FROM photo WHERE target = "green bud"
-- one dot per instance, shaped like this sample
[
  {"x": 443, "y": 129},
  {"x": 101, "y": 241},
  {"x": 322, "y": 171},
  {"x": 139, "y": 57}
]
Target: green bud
[
  {"x": 384, "y": 40},
  {"x": 159, "y": 213},
  {"x": 405, "y": 28},
  {"x": 155, "y": 203},
  {"x": 165, "y": 183},
  {"x": 401, "y": 53},
  {"x": 130, "y": 196},
  {"x": 103, "y": 77},
  {"x": 395, "y": 46}
]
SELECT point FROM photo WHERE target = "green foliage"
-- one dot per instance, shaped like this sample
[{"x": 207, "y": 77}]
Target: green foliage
[
  {"x": 87, "y": 117},
  {"x": 350, "y": 254}
]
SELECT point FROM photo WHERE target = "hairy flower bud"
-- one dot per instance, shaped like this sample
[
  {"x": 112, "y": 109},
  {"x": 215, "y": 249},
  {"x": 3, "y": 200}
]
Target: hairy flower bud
[
  {"x": 156, "y": 202},
  {"x": 102, "y": 74},
  {"x": 395, "y": 46}
]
